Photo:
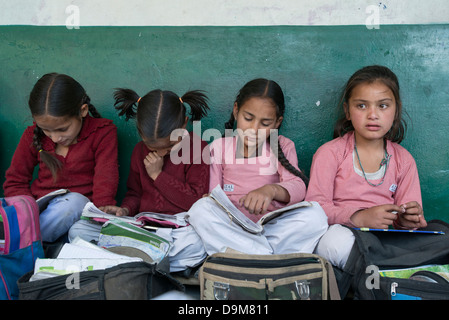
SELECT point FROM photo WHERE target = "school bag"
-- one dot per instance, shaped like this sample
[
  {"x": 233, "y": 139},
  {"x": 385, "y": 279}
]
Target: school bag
[
  {"x": 127, "y": 281},
  {"x": 294, "y": 276},
  {"x": 398, "y": 265},
  {"x": 22, "y": 244},
  {"x": 136, "y": 280}
]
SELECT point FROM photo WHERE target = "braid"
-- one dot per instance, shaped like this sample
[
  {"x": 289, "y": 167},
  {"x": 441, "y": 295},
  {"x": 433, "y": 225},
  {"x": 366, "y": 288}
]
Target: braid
[
  {"x": 286, "y": 164},
  {"x": 37, "y": 138},
  {"x": 93, "y": 111},
  {"x": 53, "y": 164}
]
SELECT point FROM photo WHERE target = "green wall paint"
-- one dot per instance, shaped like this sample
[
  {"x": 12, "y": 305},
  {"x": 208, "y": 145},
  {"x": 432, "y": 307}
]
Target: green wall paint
[{"x": 310, "y": 63}]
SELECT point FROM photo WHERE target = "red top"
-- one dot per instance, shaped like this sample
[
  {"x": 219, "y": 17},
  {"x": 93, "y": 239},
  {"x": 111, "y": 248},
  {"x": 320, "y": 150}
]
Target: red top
[
  {"x": 90, "y": 166},
  {"x": 177, "y": 187}
]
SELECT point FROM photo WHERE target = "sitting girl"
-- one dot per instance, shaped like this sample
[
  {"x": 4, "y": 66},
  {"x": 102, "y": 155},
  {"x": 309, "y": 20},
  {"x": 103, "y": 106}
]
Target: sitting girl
[
  {"x": 161, "y": 178},
  {"x": 72, "y": 150},
  {"x": 364, "y": 178},
  {"x": 239, "y": 166}
]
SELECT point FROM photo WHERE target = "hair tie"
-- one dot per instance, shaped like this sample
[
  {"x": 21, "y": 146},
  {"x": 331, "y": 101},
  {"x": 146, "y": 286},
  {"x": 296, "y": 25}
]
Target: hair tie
[
  {"x": 138, "y": 100},
  {"x": 181, "y": 100}
]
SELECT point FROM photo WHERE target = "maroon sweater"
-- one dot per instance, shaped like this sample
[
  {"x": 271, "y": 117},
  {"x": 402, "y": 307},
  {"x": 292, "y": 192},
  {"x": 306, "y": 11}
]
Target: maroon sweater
[
  {"x": 176, "y": 188},
  {"x": 90, "y": 166}
]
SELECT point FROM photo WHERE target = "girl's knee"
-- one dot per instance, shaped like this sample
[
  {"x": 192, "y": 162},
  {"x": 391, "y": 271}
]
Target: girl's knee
[
  {"x": 336, "y": 245},
  {"x": 76, "y": 198}
]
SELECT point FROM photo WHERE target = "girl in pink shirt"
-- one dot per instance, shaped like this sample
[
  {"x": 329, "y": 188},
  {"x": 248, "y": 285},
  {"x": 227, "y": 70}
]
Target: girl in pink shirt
[
  {"x": 259, "y": 173},
  {"x": 364, "y": 178}
]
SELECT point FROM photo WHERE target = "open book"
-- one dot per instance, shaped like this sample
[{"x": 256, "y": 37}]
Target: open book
[
  {"x": 42, "y": 202},
  {"x": 241, "y": 219},
  {"x": 120, "y": 234},
  {"x": 91, "y": 212},
  {"x": 143, "y": 219},
  {"x": 77, "y": 256}
]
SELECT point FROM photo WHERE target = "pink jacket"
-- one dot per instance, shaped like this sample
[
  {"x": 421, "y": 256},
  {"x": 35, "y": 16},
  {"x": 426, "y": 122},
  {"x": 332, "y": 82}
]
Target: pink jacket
[
  {"x": 341, "y": 191},
  {"x": 238, "y": 176}
]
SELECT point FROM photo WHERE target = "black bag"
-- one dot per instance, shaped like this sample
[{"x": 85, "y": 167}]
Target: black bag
[
  {"x": 295, "y": 276},
  {"x": 374, "y": 251},
  {"x": 128, "y": 281}
]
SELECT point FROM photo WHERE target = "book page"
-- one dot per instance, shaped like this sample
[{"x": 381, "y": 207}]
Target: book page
[
  {"x": 43, "y": 201},
  {"x": 276, "y": 213},
  {"x": 235, "y": 214},
  {"x": 92, "y": 212},
  {"x": 163, "y": 219}
]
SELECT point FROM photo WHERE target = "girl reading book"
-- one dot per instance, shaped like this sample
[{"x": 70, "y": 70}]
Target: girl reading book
[
  {"x": 73, "y": 148},
  {"x": 161, "y": 178},
  {"x": 258, "y": 171}
]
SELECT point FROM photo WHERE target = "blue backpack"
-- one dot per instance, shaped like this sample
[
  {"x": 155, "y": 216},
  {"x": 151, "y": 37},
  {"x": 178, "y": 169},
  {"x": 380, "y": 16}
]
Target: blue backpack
[{"x": 22, "y": 245}]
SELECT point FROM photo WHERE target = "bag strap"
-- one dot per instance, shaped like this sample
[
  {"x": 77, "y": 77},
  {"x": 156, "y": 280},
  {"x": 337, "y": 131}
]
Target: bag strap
[
  {"x": 334, "y": 293},
  {"x": 11, "y": 226}
]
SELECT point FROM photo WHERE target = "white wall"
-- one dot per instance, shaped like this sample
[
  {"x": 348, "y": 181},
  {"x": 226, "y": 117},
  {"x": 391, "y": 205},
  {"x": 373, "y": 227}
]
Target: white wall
[{"x": 221, "y": 12}]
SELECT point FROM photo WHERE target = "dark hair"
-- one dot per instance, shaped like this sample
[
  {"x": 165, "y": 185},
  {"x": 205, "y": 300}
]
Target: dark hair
[
  {"x": 269, "y": 89},
  {"x": 159, "y": 112},
  {"x": 369, "y": 75},
  {"x": 58, "y": 95}
]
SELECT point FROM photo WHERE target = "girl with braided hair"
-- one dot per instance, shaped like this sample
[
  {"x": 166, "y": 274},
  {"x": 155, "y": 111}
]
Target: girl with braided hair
[
  {"x": 73, "y": 147},
  {"x": 258, "y": 170}
]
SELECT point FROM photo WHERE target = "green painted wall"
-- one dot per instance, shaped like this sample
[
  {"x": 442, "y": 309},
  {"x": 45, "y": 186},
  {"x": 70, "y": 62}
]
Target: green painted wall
[{"x": 310, "y": 63}]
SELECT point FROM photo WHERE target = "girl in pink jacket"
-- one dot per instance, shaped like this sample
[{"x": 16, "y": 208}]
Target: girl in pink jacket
[{"x": 364, "y": 178}]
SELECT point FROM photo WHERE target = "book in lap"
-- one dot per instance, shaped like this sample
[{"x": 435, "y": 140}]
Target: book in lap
[
  {"x": 220, "y": 197},
  {"x": 91, "y": 212},
  {"x": 43, "y": 201},
  {"x": 143, "y": 219}
]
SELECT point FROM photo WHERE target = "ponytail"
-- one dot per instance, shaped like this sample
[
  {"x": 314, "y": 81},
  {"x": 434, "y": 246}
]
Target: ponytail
[
  {"x": 159, "y": 112},
  {"x": 126, "y": 102},
  {"x": 231, "y": 122},
  {"x": 92, "y": 110},
  {"x": 197, "y": 101}
]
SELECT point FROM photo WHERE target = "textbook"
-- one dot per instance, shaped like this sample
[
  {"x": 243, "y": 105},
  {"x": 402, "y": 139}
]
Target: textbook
[
  {"x": 43, "y": 201},
  {"x": 149, "y": 220},
  {"x": 116, "y": 233},
  {"x": 77, "y": 256},
  {"x": 162, "y": 219},
  {"x": 91, "y": 212},
  {"x": 406, "y": 273},
  {"x": 220, "y": 197}
]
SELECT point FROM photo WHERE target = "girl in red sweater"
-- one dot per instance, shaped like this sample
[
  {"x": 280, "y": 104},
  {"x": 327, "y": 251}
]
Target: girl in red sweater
[
  {"x": 72, "y": 150},
  {"x": 168, "y": 172}
]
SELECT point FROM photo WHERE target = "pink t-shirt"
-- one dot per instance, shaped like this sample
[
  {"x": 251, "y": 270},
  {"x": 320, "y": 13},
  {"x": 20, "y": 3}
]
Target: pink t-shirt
[
  {"x": 238, "y": 176},
  {"x": 341, "y": 191}
]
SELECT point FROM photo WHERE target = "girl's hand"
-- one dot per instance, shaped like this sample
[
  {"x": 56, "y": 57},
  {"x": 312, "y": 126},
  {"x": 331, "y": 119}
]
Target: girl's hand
[
  {"x": 378, "y": 217},
  {"x": 153, "y": 164},
  {"x": 411, "y": 216},
  {"x": 258, "y": 200},
  {"x": 115, "y": 210}
]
